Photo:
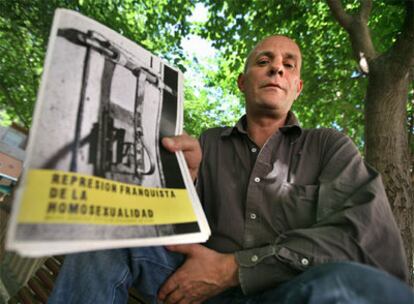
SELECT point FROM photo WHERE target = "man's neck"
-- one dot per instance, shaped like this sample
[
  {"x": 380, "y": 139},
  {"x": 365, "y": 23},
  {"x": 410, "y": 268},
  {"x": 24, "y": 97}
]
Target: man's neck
[{"x": 260, "y": 129}]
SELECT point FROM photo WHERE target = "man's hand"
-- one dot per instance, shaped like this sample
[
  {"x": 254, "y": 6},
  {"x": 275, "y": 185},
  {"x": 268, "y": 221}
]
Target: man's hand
[
  {"x": 204, "y": 274},
  {"x": 190, "y": 147}
]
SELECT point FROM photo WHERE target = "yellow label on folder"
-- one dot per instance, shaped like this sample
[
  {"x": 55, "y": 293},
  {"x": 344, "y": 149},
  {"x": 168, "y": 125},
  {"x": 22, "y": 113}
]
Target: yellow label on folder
[{"x": 58, "y": 197}]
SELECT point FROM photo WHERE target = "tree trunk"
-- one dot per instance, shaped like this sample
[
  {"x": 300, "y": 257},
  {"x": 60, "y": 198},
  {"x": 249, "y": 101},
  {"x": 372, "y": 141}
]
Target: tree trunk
[
  {"x": 386, "y": 139},
  {"x": 387, "y": 143}
]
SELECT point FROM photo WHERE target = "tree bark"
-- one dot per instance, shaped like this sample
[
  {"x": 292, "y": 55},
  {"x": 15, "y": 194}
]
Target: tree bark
[
  {"x": 386, "y": 144},
  {"x": 386, "y": 137}
]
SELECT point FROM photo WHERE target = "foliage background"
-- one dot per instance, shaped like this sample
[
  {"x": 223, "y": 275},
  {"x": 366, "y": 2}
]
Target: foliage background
[
  {"x": 333, "y": 92},
  {"x": 334, "y": 88}
]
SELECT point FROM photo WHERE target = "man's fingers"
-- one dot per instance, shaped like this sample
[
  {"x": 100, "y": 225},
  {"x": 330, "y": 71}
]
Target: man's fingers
[
  {"x": 174, "y": 297},
  {"x": 190, "y": 147},
  {"x": 169, "y": 286},
  {"x": 182, "y": 142},
  {"x": 169, "y": 144},
  {"x": 184, "y": 249}
]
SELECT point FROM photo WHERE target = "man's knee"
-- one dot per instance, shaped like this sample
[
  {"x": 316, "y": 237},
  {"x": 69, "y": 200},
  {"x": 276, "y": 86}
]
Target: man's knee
[
  {"x": 351, "y": 282},
  {"x": 95, "y": 259},
  {"x": 348, "y": 271},
  {"x": 157, "y": 255}
]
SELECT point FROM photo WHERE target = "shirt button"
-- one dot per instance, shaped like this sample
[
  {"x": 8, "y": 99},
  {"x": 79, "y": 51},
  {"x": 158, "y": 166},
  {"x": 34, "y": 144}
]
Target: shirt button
[
  {"x": 257, "y": 179},
  {"x": 253, "y": 216},
  {"x": 254, "y": 258},
  {"x": 254, "y": 150},
  {"x": 304, "y": 262}
]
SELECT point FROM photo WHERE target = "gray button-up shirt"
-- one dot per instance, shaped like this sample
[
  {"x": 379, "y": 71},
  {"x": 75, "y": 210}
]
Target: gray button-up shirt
[{"x": 305, "y": 198}]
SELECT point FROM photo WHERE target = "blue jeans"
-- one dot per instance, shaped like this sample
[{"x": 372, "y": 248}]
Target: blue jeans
[{"x": 105, "y": 276}]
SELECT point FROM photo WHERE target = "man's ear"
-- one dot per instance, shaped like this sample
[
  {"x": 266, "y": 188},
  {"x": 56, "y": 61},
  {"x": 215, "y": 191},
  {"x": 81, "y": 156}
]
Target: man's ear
[
  {"x": 240, "y": 82},
  {"x": 299, "y": 88}
]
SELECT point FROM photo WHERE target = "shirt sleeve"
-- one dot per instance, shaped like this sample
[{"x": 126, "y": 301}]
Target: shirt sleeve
[{"x": 353, "y": 221}]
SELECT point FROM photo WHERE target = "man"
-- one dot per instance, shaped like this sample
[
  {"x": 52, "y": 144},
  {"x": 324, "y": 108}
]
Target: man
[{"x": 291, "y": 211}]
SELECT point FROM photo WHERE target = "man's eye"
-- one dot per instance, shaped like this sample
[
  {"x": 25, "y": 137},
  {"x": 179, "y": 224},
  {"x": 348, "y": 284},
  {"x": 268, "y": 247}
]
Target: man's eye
[
  {"x": 289, "y": 65},
  {"x": 263, "y": 62}
]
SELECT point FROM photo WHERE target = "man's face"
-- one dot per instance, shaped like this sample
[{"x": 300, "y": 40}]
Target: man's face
[{"x": 271, "y": 81}]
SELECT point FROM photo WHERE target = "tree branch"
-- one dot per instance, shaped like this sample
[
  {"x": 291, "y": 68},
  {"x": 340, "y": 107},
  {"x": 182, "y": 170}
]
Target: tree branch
[
  {"x": 357, "y": 28},
  {"x": 403, "y": 50},
  {"x": 365, "y": 12},
  {"x": 339, "y": 13}
]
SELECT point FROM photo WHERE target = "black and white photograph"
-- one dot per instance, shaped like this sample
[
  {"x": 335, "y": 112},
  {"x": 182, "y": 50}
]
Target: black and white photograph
[{"x": 103, "y": 106}]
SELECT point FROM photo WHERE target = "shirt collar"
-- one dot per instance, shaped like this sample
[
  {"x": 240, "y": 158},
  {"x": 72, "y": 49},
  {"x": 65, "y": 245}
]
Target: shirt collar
[{"x": 291, "y": 127}]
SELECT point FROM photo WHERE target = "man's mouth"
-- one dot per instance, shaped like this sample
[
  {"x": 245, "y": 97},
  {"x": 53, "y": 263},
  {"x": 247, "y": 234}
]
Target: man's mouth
[{"x": 272, "y": 85}]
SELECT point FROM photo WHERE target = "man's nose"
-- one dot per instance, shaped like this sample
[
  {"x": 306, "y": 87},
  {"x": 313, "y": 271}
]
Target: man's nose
[{"x": 276, "y": 68}]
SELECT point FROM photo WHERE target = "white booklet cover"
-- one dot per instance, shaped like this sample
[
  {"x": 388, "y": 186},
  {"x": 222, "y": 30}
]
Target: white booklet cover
[{"x": 96, "y": 175}]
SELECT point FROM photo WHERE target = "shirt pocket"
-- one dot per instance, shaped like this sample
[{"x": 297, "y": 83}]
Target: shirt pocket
[
  {"x": 335, "y": 196},
  {"x": 295, "y": 206}
]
